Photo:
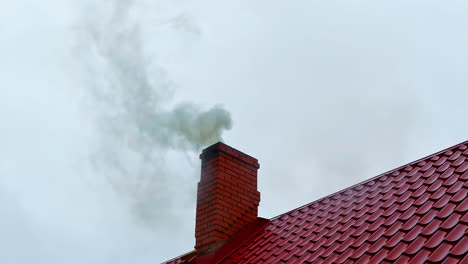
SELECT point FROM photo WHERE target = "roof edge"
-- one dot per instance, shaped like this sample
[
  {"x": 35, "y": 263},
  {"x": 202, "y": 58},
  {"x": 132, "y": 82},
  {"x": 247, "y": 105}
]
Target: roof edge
[
  {"x": 184, "y": 257},
  {"x": 371, "y": 179}
]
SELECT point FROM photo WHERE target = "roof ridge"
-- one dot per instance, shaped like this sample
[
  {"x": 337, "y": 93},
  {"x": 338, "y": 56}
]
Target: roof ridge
[{"x": 369, "y": 180}]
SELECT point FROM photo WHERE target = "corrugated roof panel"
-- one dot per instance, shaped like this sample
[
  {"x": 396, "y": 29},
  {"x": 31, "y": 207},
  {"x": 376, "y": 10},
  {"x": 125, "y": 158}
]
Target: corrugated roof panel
[{"x": 414, "y": 214}]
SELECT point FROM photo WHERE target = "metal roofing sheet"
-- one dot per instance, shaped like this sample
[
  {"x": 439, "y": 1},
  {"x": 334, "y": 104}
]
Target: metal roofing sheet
[{"x": 414, "y": 214}]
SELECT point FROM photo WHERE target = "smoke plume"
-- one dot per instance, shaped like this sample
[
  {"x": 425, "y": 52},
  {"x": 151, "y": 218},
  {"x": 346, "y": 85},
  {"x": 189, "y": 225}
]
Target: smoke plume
[{"x": 130, "y": 92}]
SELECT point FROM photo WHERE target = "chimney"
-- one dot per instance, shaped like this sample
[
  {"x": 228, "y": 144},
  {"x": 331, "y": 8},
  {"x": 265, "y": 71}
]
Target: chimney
[{"x": 227, "y": 198}]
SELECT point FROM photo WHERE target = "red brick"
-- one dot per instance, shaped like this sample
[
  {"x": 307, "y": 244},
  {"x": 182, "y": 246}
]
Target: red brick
[{"x": 227, "y": 196}]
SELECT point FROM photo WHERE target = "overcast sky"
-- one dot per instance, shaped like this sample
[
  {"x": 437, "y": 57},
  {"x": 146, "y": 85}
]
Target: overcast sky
[{"x": 324, "y": 93}]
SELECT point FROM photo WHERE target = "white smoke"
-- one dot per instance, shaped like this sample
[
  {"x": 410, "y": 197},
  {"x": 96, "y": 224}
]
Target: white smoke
[
  {"x": 88, "y": 136},
  {"x": 132, "y": 88},
  {"x": 130, "y": 91}
]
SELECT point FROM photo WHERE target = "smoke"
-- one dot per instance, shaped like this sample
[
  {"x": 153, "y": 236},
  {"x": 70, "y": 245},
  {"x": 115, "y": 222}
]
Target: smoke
[
  {"x": 130, "y": 91},
  {"x": 93, "y": 167}
]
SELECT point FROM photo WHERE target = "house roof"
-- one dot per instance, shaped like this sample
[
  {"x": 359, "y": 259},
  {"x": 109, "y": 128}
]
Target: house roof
[{"x": 416, "y": 213}]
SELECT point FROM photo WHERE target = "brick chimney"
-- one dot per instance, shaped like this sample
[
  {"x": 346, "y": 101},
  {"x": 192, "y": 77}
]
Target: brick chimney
[{"x": 227, "y": 198}]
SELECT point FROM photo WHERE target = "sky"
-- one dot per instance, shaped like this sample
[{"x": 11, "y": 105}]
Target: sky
[{"x": 104, "y": 108}]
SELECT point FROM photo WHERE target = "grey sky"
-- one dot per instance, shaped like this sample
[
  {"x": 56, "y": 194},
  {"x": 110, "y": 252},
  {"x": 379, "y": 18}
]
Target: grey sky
[{"x": 324, "y": 93}]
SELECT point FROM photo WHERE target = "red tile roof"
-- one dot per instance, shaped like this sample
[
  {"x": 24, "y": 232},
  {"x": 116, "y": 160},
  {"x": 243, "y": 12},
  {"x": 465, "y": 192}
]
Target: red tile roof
[{"x": 416, "y": 213}]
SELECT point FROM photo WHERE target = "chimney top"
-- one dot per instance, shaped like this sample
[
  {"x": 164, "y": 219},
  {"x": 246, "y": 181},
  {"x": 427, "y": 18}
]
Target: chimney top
[{"x": 214, "y": 150}]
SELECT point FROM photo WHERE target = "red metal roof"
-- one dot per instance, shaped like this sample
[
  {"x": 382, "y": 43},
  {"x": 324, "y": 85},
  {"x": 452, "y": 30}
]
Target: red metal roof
[{"x": 414, "y": 214}]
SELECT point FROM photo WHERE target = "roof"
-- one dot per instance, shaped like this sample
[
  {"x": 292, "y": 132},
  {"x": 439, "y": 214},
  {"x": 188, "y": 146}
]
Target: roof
[{"x": 416, "y": 213}]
